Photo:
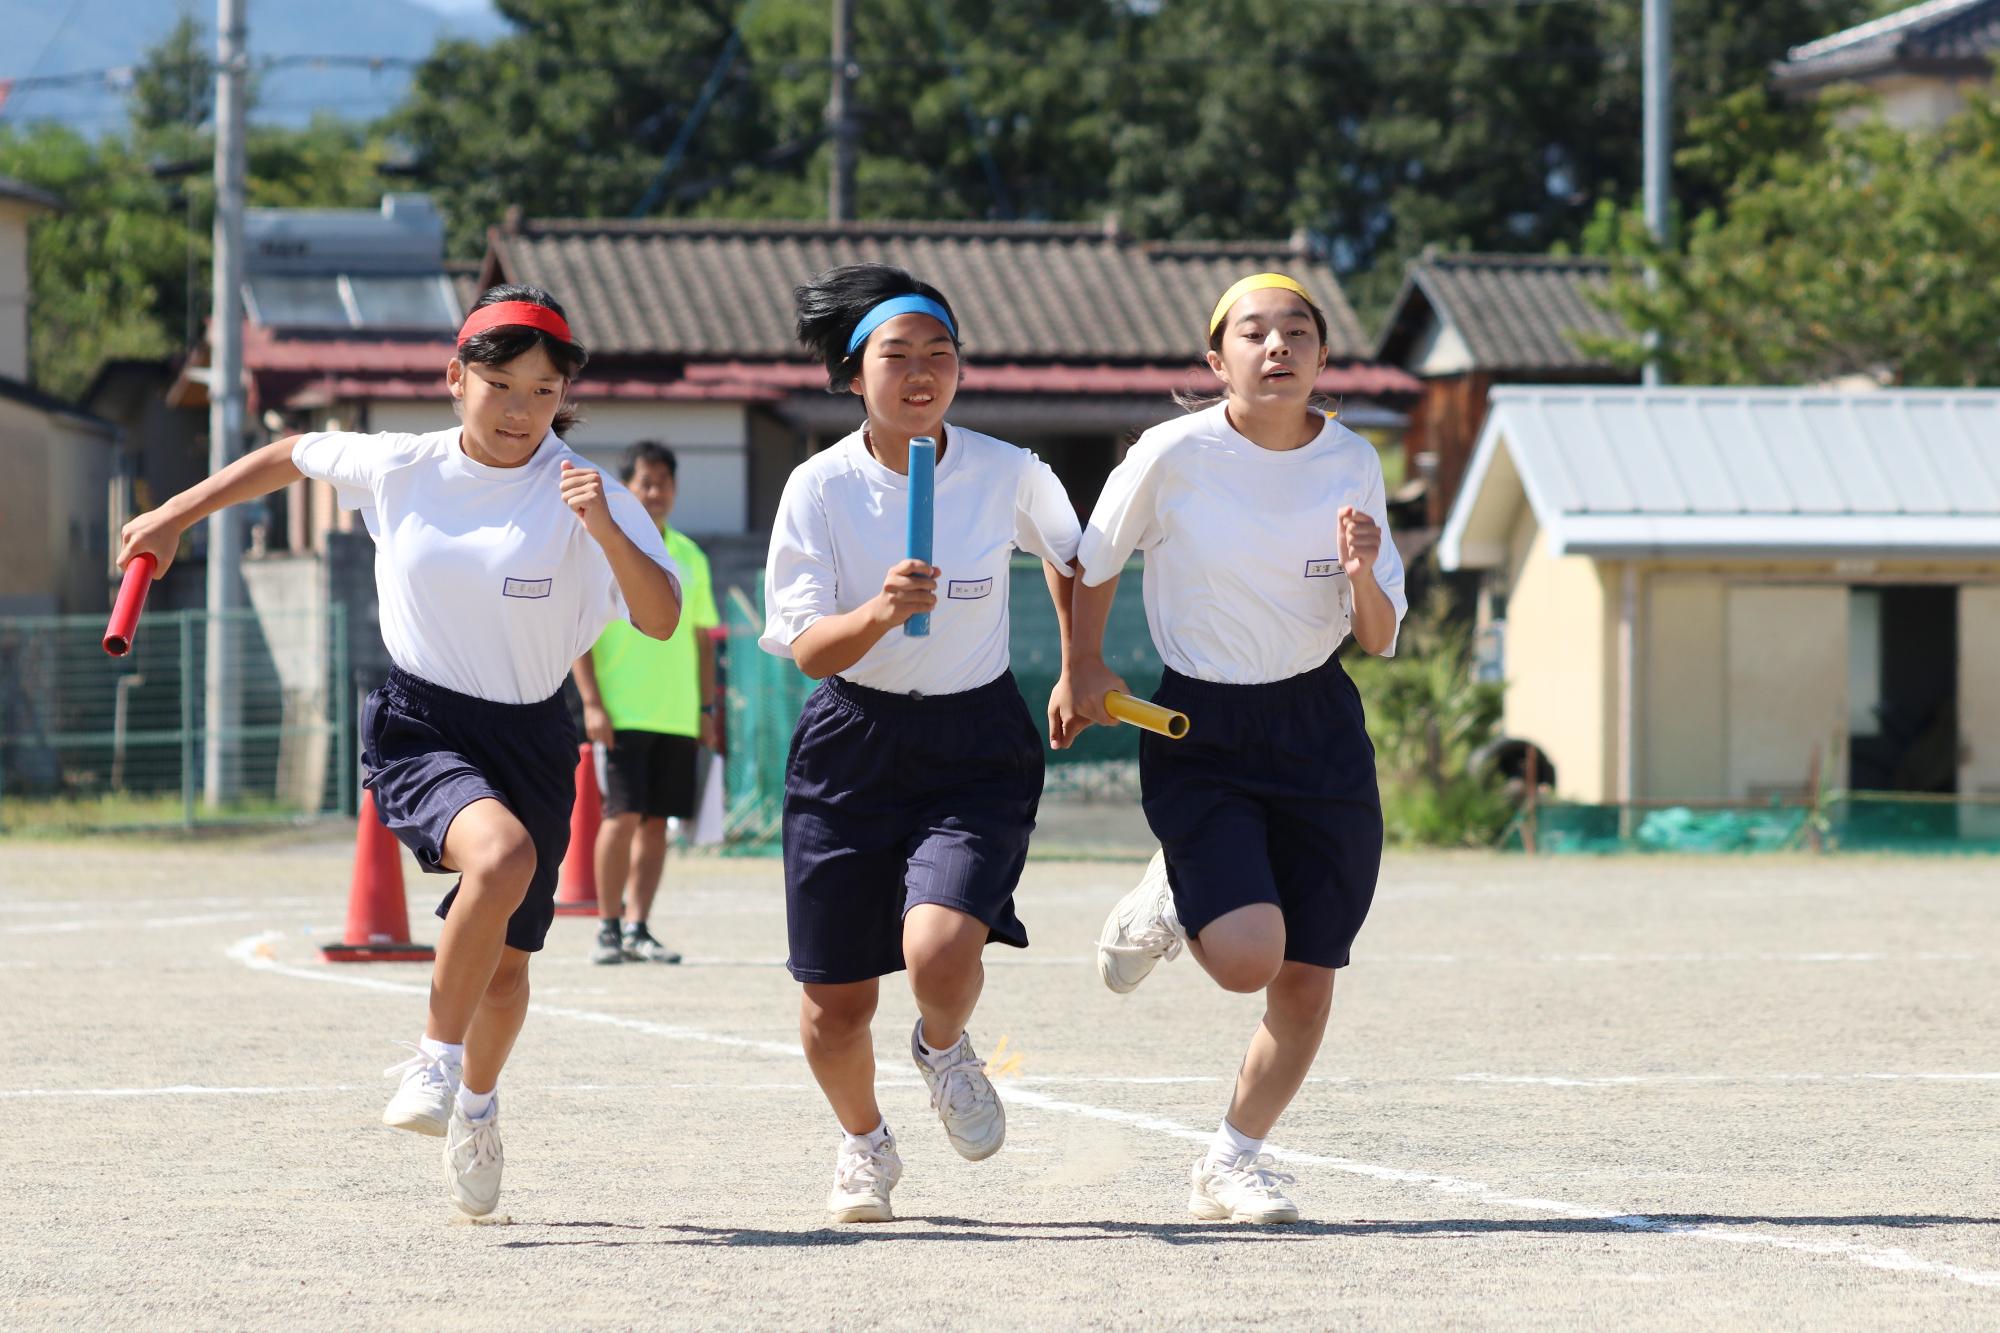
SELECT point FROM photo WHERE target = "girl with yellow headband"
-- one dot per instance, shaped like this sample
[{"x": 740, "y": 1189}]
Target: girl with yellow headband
[{"x": 1265, "y": 533}]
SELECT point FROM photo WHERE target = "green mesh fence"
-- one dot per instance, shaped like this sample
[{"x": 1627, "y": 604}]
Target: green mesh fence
[
  {"x": 1880, "y": 822},
  {"x": 91, "y": 742},
  {"x": 766, "y": 694}
]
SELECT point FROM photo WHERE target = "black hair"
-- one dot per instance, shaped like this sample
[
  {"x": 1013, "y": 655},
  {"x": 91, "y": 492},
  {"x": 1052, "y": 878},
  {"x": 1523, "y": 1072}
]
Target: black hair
[
  {"x": 648, "y": 451},
  {"x": 830, "y": 305},
  {"x": 1196, "y": 402},
  {"x": 497, "y": 346}
]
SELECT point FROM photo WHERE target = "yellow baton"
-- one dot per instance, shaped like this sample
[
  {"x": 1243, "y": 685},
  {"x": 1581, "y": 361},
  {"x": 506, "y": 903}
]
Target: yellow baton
[{"x": 1147, "y": 714}]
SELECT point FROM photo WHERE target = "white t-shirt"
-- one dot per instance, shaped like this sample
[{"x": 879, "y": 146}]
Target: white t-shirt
[
  {"x": 1243, "y": 577},
  {"x": 489, "y": 585},
  {"x": 842, "y": 523}
]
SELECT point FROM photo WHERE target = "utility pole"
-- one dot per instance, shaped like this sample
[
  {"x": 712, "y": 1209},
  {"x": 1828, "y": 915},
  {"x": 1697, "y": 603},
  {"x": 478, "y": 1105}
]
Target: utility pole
[
  {"x": 222, "y": 695},
  {"x": 840, "y": 117},
  {"x": 1659, "y": 134}
]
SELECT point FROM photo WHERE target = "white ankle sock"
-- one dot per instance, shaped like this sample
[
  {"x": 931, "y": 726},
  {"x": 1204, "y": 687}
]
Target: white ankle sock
[
  {"x": 1231, "y": 1144},
  {"x": 476, "y": 1105},
  {"x": 452, "y": 1051},
  {"x": 868, "y": 1142},
  {"x": 931, "y": 1055}
]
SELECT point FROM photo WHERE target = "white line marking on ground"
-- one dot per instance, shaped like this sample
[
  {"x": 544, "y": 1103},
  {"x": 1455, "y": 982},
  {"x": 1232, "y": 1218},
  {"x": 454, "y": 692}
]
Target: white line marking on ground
[
  {"x": 1629, "y": 1080},
  {"x": 253, "y": 952},
  {"x": 178, "y": 1090},
  {"x": 1624, "y": 959},
  {"x": 126, "y": 923},
  {"x": 1895, "y": 1260}
]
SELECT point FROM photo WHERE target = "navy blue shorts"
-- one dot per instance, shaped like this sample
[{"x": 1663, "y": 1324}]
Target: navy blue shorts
[
  {"x": 893, "y": 800},
  {"x": 428, "y": 752},
  {"x": 1270, "y": 798}
]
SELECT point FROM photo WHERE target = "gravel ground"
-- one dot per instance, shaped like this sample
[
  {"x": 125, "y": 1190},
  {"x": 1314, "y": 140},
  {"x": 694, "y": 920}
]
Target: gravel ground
[{"x": 1669, "y": 1093}]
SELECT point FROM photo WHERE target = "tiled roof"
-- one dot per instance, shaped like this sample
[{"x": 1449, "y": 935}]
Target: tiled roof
[
  {"x": 25, "y": 193},
  {"x": 1941, "y": 36},
  {"x": 1022, "y": 291},
  {"x": 1514, "y": 312}
]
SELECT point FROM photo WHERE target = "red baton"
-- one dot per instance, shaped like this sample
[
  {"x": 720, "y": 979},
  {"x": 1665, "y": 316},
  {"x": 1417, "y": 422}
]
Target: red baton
[{"x": 131, "y": 601}]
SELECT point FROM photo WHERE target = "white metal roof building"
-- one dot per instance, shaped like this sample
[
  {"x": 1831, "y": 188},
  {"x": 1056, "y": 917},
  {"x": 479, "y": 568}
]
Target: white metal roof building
[{"x": 1699, "y": 590}]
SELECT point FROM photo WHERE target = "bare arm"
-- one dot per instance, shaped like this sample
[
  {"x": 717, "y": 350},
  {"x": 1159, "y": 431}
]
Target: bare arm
[
  {"x": 1078, "y": 701},
  {"x": 651, "y": 595},
  {"x": 158, "y": 531},
  {"x": 596, "y": 719},
  {"x": 832, "y": 644},
  {"x": 1373, "y": 621},
  {"x": 705, "y": 674}
]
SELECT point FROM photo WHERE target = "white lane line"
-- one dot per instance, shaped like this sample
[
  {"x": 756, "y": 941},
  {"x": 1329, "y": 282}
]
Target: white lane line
[
  {"x": 126, "y": 923},
  {"x": 1632, "y": 1080},
  {"x": 1871, "y": 1256},
  {"x": 254, "y": 951},
  {"x": 53, "y": 906},
  {"x": 177, "y": 1090},
  {"x": 1626, "y": 959}
]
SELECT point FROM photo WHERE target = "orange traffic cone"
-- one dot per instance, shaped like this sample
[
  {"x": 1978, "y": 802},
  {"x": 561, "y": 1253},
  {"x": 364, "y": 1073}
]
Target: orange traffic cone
[
  {"x": 577, "y": 893},
  {"x": 378, "y": 920}
]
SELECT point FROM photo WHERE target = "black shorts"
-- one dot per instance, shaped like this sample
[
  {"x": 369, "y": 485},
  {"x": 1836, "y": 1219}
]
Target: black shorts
[
  {"x": 428, "y": 752},
  {"x": 1270, "y": 798},
  {"x": 650, "y": 774},
  {"x": 893, "y": 800}
]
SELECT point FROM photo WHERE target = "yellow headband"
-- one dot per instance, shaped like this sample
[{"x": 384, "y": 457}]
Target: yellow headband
[{"x": 1256, "y": 282}]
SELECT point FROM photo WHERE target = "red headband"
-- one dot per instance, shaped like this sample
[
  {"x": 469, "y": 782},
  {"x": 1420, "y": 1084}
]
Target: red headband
[{"x": 514, "y": 314}]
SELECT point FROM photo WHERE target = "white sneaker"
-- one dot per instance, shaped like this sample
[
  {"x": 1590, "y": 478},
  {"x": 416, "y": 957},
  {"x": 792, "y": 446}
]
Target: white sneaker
[
  {"x": 423, "y": 1100},
  {"x": 472, "y": 1161},
  {"x": 862, "y": 1181},
  {"x": 1246, "y": 1190},
  {"x": 963, "y": 1097},
  {"x": 1142, "y": 931}
]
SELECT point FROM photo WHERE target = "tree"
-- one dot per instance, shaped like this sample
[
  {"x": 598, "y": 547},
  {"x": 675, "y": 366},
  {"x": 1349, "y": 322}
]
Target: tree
[
  {"x": 123, "y": 270},
  {"x": 573, "y": 113},
  {"x": 1857, "y": 250}
]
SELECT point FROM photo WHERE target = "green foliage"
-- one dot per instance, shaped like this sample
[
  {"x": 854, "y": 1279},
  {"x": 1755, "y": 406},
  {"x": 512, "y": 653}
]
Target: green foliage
[
  {"x": 1427, "y": 716},
  {"x": 1855, "y": 250},
  {"x": 572, "y": 113}
]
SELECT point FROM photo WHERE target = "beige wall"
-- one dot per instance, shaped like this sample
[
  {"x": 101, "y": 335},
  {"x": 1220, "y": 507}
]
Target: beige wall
[
  {"x": 54, "y": 513},
  {"x": 1911, "y": 101},
  {"x": 1979, "y": 688},
  {"x": 1683, "y": 717},
  {"x": 1787, "y": 685},
  {"x": 710, "y": 441},
  {"x": 1561, "y": 676}
]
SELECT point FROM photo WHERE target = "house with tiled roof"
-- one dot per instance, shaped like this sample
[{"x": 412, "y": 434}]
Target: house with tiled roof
[
  {"x": 1075, "y": 336},
  {"x": 1917, "y": 65},
  {"x": 1463, "y": 323}
]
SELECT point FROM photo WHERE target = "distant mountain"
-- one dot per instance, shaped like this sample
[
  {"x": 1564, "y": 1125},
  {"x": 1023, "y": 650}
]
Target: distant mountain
[{"x": 71, "y": 37}]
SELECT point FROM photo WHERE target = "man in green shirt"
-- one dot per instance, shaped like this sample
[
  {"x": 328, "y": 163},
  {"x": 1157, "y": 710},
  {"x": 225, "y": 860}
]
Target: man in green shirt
[{"x": 648, "y": 707}]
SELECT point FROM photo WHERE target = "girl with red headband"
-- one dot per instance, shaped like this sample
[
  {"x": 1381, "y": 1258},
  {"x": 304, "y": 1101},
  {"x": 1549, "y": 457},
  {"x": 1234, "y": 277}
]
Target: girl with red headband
[
  {"x": 1266, "y": 541},
  {"x": 499, "y": 557}
]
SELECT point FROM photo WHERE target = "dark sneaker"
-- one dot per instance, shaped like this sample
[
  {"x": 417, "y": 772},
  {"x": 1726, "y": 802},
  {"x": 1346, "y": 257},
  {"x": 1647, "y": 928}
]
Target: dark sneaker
[
  {"x": 641, "y": 947},
  {"x": 609, "y": 948}
]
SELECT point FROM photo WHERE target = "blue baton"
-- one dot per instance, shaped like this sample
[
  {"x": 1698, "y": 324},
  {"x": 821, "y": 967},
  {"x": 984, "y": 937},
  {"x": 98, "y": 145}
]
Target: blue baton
[{"x": 923, "y": 489}]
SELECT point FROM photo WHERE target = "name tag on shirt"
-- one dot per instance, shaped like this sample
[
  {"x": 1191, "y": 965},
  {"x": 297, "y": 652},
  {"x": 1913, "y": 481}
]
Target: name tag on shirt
[
  {"x": 526, "y": 587},
  {"x": 1322, "y": 569},
  {"x": 967, "y": 589}
]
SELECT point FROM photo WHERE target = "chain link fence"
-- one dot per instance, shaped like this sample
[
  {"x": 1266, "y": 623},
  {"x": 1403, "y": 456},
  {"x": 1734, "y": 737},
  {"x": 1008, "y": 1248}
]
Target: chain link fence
[
  {"x": 766, "y": 694},
  {"x": 89, "y": 741},
  {"x": 1895, "y": 823}
]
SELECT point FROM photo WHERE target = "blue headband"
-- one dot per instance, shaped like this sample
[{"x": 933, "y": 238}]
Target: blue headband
[{"x": 887, "y": 310}]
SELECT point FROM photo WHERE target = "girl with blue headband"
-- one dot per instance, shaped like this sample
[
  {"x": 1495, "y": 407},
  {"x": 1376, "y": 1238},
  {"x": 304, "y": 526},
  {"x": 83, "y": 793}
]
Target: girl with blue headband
[
  {"x": 916, "y": 769},
  {"x": 1266, "y": 537}
]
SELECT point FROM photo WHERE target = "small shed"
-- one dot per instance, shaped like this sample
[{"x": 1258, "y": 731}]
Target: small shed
[{"x": 1699, "y": 593}]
